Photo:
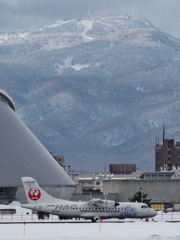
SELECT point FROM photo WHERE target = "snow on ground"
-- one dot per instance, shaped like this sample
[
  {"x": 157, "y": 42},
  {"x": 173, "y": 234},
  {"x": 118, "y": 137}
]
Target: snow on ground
[
  {"x": 87, "y": 26},
  {"x": 57, "y": 24},
  {"x": 68, "y": 63},
  {"x": 138, "y": 230},
  {"x": 166, "y": 226},
  {"x": 78, "y": 67}
]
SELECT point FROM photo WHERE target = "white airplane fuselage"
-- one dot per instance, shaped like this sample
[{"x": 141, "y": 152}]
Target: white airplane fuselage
[
  {"x": 44, "y": 204},
  {"x": 69, "y": 209}
]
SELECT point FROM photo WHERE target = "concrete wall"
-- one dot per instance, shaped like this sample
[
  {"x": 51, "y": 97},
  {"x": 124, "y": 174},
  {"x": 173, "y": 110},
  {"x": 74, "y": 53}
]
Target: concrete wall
[
  {"x": 88, "y": 196},
  {"x": 158, "y": 191}
]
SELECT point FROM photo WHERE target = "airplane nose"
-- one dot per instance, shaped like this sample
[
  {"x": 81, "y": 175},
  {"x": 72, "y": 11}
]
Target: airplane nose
[{"x": 154, "y": 213}]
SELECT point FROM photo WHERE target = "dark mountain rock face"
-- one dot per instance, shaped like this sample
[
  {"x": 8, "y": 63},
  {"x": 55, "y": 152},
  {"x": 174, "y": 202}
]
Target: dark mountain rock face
[{"x": 97, "y": 91}]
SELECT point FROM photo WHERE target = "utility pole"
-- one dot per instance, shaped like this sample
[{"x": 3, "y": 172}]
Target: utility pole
[
  {"x": 163, "y": 133},
  {"x": 141, "y": 194}
]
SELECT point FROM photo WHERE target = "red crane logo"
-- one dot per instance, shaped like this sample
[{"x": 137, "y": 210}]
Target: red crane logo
[{"x": 34, "y": 194}]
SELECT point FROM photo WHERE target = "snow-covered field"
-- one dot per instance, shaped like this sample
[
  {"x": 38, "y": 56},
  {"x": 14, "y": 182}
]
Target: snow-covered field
[
  {"x": 138, "y": 230},
  {"x": 165, "y": 226}
]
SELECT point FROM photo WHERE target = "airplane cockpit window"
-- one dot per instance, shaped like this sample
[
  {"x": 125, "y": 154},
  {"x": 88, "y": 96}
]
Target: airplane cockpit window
[{"x": 144, "y": 206}]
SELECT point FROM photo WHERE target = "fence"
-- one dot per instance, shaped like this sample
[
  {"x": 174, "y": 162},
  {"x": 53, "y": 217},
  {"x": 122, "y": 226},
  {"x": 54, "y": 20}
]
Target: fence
[{"x": 22, "y": 217}]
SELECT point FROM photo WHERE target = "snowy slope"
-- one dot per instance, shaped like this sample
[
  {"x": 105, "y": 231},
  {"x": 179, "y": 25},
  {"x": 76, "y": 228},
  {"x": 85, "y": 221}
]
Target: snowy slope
[{"x": 95, "y": 90}]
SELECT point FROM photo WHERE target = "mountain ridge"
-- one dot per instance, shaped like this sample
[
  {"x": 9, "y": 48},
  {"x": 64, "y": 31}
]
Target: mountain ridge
[{"x": 97, "y": 91}]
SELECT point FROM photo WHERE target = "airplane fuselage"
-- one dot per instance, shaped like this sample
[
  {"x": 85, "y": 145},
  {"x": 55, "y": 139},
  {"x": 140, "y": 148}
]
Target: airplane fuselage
[
  {"x": 68, "y": 210},
  {"x": 44, "y": 204}
]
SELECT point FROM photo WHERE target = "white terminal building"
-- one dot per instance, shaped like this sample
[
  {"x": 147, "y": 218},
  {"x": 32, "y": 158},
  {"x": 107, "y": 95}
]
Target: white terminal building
[{"x": 22, "y": 154}]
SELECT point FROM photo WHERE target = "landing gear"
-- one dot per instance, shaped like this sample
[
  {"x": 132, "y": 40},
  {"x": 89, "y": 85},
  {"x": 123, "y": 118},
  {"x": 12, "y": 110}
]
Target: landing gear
[
  {"x": 94, "y": 219},
  {"x": 42, "y": 216}
]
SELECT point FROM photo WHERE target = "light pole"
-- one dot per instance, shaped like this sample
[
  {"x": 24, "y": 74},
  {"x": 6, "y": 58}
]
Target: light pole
[
  {"x": 141, "y": 194},
  {"x": 105, "y": 194}
]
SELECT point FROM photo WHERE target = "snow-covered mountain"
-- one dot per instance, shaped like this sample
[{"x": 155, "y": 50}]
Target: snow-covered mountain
[{"x": 97, "y": 91}]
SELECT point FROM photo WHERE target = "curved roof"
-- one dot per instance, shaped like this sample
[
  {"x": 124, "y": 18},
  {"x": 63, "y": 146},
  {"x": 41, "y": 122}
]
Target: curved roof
[
  {"x": 4, "y": 97},
  {"x": 21, "y": 154}
]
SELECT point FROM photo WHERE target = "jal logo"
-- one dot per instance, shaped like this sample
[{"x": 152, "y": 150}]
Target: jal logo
[{"x": 34, "y": 194}]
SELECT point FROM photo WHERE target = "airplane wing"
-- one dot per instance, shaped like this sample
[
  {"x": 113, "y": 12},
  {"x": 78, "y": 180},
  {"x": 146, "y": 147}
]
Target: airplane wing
[{"x": 96, "y": 202}]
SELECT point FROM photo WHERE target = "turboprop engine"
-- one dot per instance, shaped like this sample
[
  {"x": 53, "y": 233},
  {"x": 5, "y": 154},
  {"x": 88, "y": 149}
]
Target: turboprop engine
[{"x": 103, "y": 203}]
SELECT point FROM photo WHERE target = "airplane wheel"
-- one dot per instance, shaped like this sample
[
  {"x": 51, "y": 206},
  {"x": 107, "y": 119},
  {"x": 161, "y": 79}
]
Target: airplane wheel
[
  {"x": 42, "y": 216},
  {"x": 93, "y": 220},
  {"x": 46, "y": 215}
]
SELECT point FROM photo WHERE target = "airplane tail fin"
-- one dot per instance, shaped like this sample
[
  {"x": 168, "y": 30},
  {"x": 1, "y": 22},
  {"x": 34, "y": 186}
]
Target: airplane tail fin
[{"x": 34, "y": 193}]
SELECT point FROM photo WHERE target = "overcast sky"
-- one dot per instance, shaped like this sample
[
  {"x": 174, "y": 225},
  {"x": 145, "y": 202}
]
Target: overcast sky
[{"x": 14, "y": 14}]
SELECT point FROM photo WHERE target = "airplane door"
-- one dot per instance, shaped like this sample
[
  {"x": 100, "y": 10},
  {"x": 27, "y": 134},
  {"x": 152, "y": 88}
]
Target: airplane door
[{"x": 63, "y": 210}]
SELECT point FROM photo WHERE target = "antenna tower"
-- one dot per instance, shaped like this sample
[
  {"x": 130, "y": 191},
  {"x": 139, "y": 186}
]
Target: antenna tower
[{"x": 163, "y": 133}]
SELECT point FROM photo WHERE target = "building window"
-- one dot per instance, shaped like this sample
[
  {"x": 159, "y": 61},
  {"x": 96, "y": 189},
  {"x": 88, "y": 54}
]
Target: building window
[
  {"x": 3, "y": 191},
  {"x": 170, "y": 144}
]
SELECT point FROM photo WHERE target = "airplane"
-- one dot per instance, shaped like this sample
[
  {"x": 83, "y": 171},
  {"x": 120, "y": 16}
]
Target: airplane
[{"x": 95, "y": 209}]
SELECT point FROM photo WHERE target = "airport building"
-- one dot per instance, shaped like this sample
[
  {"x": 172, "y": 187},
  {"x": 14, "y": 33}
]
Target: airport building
[
  {"x": 167, "y": 155},
  {"x": 122, "y": 168},
  {"x": 22, "y": 154},
  {"x": 162, "y": 187}
]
